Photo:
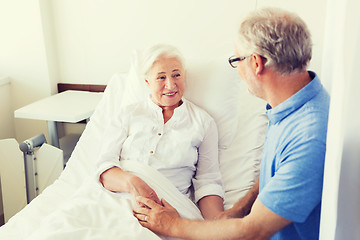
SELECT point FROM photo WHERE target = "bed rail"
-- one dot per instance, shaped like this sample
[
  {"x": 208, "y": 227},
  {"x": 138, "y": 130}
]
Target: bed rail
[{"x": 28, "y": 148}]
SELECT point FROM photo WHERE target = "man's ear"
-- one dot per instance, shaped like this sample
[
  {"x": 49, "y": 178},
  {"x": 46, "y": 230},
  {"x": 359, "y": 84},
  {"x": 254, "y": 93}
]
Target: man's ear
[{"x": 258, "y": 63}]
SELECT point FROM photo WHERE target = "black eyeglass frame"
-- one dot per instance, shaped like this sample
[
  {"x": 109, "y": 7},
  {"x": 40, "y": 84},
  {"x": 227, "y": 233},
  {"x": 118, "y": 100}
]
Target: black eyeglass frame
[{"x": 233, "y": 59}]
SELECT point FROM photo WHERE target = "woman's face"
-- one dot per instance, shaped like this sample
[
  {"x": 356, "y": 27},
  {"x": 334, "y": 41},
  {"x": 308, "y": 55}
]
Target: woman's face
[{"x": 166, "y": 81}]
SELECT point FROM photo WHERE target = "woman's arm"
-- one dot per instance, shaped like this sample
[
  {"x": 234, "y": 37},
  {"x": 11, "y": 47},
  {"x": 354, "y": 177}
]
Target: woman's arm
[
  {"x": 109, "y": 173},
  {"x": 211, "y": 206},
  {"x": 207, "y": 180},
  {"x": 117, "y": 180}
]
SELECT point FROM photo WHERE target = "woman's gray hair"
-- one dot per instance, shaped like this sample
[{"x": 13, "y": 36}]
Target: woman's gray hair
[
  {"x": 154, "y": 53},
  {"x": 280, "y": 36}
]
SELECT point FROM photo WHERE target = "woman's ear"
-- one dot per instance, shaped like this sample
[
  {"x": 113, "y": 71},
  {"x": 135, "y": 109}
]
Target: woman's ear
[{"x": 147, "y": 82}]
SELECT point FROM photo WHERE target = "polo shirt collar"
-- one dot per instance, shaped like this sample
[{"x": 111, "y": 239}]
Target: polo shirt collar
[{"x": 293, "y": 103}]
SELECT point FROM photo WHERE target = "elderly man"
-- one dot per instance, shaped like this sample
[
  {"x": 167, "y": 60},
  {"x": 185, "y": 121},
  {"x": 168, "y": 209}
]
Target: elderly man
[{"x": 272, "y": 53}]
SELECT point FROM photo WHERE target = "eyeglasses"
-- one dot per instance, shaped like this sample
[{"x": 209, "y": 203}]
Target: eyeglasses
[{"x": 233, "y": 61}]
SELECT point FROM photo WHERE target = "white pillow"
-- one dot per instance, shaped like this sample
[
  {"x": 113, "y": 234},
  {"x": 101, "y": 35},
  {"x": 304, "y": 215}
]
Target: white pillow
[
  {"x": 241, "y": 120},
  {"x": 240, "y": 162},
  {"x": 136, "y": 88},
  {"x": 213, "y": 85}
]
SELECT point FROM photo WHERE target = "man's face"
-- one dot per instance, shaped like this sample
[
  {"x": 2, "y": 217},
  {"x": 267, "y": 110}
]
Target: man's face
[{"x": 247, "y": 72}]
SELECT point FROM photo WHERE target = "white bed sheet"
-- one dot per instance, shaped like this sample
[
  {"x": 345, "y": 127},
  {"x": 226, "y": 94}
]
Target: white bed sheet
[
  {"x": 242, "y": 126},
  {"x": 95, "y": 213},
  {"x": 79, "y": 168}
]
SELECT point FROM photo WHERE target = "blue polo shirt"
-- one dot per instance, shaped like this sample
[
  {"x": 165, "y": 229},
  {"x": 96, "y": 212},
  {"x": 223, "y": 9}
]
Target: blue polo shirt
[{"x": 291, "y": 175}]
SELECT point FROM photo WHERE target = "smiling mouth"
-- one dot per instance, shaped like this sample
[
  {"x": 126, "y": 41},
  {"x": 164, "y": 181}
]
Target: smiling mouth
[{"x": 170, "y": 94}]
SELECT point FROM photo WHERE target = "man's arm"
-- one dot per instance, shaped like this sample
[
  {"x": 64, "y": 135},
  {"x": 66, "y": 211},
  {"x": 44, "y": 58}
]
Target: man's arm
[
  {"x": 261, "y": 223},
  {"x": 242, "y": 207}
]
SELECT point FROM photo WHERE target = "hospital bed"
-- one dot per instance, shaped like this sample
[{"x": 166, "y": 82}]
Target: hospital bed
[{"x": 76, "y": 207}]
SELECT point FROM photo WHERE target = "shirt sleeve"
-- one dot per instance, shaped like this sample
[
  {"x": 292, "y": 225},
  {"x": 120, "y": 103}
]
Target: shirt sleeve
[
  {"x": 296, "y": 187},
  {"x": 207, "y": 180},
  {"x": 114, "y": 136}
]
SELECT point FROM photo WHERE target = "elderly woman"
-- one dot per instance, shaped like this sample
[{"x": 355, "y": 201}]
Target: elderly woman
[{"x": 168, "y": 133}]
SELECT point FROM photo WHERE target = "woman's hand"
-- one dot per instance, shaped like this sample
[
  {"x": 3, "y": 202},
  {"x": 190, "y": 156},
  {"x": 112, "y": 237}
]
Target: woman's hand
[
  {"x": 137, "y": 187},
  {"x": 117, "y": 180}
]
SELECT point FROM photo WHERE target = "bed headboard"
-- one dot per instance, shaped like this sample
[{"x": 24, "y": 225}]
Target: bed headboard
[{"x": 80, "y": 87}]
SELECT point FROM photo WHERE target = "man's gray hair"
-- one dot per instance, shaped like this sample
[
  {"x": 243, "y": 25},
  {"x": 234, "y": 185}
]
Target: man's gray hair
[
  {"x": 280, "y": 36},
  {"x": 154, "y": 53}
]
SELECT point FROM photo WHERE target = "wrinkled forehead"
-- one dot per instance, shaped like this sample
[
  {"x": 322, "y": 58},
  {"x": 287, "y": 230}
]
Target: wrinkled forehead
[{"x": 166, "y": 65}]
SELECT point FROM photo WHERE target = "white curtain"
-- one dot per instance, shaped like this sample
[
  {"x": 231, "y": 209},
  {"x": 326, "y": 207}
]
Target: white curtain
[{"x": 340, "y": 216}]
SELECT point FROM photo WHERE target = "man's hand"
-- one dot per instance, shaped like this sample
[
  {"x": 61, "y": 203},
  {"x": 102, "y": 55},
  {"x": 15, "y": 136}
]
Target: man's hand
[
  {"x": 242, "y": 207},
  {"x": 161, "y": 219},
  {"x": 231, "y": 213}
]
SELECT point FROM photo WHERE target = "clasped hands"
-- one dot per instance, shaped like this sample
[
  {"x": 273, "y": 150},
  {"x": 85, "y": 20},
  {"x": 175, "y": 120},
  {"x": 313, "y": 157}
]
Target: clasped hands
[
  {"x": 153, "y": 213},
  {"x": 160, "y": 218}
]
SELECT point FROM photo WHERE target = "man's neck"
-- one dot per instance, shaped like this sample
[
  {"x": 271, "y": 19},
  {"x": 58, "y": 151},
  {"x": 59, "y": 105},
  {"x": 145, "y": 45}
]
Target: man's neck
[{"x": 282, "y": 87}]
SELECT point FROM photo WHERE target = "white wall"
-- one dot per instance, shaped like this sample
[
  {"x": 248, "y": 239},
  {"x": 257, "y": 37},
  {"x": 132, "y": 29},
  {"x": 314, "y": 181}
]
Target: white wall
[
  {"x": 6, "y": 115},
  {"x": 96, "y": 38},
  {"x": 6, "y": 119},
  {"x": 79, "y": 41},
  {"x": 23, "y": 59}
]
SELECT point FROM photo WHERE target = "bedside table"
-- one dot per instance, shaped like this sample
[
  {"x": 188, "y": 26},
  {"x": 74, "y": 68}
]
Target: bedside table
[{"x": 69, "y": 106}]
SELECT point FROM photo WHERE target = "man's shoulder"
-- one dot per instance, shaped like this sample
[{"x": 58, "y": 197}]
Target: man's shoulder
[
  {"x": 312, "y": 114},
  {"x": 307, "y": 125}
]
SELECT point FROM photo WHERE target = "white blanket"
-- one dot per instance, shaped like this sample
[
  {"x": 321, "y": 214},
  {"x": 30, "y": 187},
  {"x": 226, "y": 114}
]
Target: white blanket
[{"x": 95, "y": 213}]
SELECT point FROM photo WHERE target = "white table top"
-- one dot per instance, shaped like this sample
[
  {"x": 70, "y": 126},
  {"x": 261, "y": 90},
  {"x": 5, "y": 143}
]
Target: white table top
[{"x": 69, "y": 106}]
